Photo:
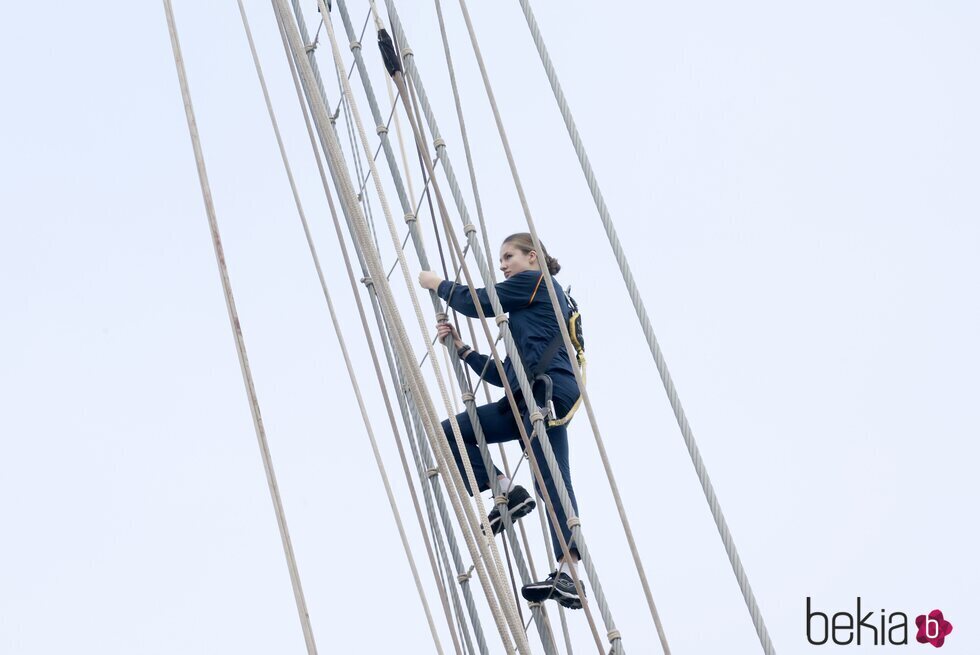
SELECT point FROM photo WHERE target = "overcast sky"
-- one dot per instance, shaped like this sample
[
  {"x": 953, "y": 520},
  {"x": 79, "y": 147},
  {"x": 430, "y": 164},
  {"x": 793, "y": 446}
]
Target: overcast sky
[{"x": 795, "y": 186}]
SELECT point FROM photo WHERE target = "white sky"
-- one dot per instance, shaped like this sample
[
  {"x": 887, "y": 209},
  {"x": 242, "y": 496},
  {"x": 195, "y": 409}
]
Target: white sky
[{"x": 795, "y": 186}]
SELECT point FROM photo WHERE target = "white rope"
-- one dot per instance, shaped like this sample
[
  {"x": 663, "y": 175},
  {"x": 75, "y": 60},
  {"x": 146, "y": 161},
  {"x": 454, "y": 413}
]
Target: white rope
[
  {"x": 538, "y": 614},
  {"x": 647, "y": 327},
  {"x": 457, "y": 367},
  {"x": 501, "y": 319},
  {"x": 350, "y": 371},
  {"x": 253, "y": 400},
  {"x": 401, "y": 338},
  {"x": 466, "y": 140},
  {"x": 507, "y": 600},
  {"x": 410, "y": 414},
  {"x": 509, "y": 343}
]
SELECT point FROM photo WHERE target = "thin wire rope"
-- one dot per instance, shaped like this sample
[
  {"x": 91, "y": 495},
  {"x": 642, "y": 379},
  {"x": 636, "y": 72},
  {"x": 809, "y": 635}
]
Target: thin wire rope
[
  {"x": 614, "y": 635},
  {"x": 253, "y": 401},
  {"x": 483, "y": 231},
  {"x": 561, "y": 322},
  {"x": 391, "y": 97},
  {"x": 374, "y": 110},
  {"x": 377, "y": 151},
  {"x": 652, "y": 342},
  {"x": 350, "y": 369},
  {"x": 391, "y": 162},
  {"x": 421, "y": 458},
  {"x": 363, "y": 198},
  {"x": 493, "y": 563},
  {"x": 538, "y": 613},
  {"x": 466, "y": 140},
  {"x": 323, "y": 120},
  {"x": 551, "y": 563},
  {"x": 522, "y": 378}
]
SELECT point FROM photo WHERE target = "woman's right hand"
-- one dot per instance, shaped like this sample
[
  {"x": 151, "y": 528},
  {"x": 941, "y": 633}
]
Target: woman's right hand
[{"x": 446, "y": 329}]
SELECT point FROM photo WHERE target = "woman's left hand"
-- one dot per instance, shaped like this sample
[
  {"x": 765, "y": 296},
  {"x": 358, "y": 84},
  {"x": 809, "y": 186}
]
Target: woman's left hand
[{"x": 429, "y": 280}]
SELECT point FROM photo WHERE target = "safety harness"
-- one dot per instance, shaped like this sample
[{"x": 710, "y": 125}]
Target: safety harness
[{"x": 578, "y": 342}]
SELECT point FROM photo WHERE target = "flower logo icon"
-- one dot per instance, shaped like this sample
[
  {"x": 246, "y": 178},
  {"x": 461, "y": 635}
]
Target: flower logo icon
[{"x": 933, "y": 628}]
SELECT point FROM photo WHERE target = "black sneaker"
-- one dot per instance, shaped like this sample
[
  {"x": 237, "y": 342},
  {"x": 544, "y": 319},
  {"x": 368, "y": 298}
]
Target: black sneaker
[
  {"x": 561, "y": 588},
  {"x": 519, "y": 502}
]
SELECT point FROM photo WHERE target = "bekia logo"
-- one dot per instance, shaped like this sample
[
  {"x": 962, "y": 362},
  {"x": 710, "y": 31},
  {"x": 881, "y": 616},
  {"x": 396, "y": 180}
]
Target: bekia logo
[
  {"x": 873, "y": 628},
  {"x": 932, "y": 629}
]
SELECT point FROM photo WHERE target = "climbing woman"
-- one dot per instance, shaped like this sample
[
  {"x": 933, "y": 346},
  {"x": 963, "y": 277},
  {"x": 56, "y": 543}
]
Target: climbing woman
[{"x": 524, "y": 297}]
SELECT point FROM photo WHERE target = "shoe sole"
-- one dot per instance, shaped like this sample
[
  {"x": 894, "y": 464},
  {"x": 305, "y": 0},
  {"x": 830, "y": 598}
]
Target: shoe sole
[
  {"x": 542, "y": 594},
  {"x": 517, "y": 512}
]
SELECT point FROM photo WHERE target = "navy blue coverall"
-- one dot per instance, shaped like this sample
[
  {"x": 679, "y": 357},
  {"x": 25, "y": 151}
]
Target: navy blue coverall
[{"x": 532, "y": 323}]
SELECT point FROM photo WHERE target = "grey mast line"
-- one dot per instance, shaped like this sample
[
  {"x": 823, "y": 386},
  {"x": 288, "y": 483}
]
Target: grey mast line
[
  {"x": 353, "y": 378},
  {"x": 501, "y": 320},
  {"x": 417, "y": 240},
  {"x": 647, "y": 327},
  {"x": 377, "y": 115},
  {"x": 270, "y": 473},
  {"x": 420, "y": 452},
  {"x": 614, "y": 634},
  {"x": 468, "y": 397},
  {"x": 509, "y": 600},
  {"x": 483, "y": 229},
  {"x": 469, "y": 229},
  {"x": 489, "y": 577},
  {"x": 549, "y": 283},
  {"x": 468, "y": 157}
]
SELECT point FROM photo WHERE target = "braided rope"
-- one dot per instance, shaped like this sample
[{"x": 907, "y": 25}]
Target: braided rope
[
  {"x": 351, "y": 209},
  {"x": 414, "y": 233},
  {"x": 508, "y": 339},
  {"x": 654, "y": 346},
  {"x": 509, "y": 343},
  {"x": 491, "y": 554},
  {"x": 377, "y": 368},
  {"x": 405, "y": 398},
  {"x": 457, "y": 367},
  {"x": 253, "y": 401},
  {"x": 541, "y": 623}
]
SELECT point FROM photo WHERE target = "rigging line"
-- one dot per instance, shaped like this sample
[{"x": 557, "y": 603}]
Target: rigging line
[
  {"x": 551, "y": 565},
  {"x": 358, "y": 167},
  {"x": 614, "y": 634},
  {"x": 422, "y": 361},
  {"x": 510, "y": 344},
  {"x": 350, "y": 369},
  {"x": 316, "y": 37},
  {"x": 391, "y": 97},
  {"x": 483, "y": 447},
  {"x": 513, "y": 584},
  {"x": 402, "y": 197},
  {"x": 395, "y": 265},
  {"x": 407, "y": 236},
  {"x": 409, "y": 410},
  {"x": 432, "y": 212},
  {"x": 525, "y": 387},
  {"x": 377, "y": 151},
  {"x": 489, "y": 548},
  {"x": 563, "y": 328},
  {"x": 466, "y": 140},
  {"x": 340, "y": 91},
  {"x": 263, "y": 443},
  {"x": 419, "y": 412},
  {"x": 424, "y": 191},
  {"x": 652, "y": 342}
]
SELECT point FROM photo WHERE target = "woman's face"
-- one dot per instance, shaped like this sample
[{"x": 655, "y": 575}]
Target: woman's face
[{"x": 513, "y": 260}]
